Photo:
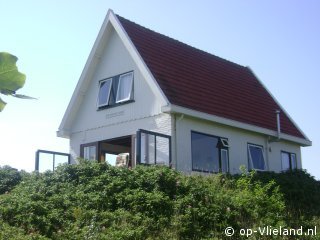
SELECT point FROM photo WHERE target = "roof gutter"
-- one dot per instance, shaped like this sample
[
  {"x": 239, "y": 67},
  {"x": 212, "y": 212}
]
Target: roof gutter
[{"x": 171, "y": 108}]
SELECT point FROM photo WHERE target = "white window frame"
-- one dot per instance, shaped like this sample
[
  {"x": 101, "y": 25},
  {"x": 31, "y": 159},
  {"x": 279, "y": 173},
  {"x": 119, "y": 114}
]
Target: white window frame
[
  {"x": 108, "y": 94},
  {"x": 88, "y": 150},
  {"x": 225, "y": 150},
  {"x": 119, "y": 85},
  {"x": 250, "y": 157},
  {"x": 224, "y": 142}
]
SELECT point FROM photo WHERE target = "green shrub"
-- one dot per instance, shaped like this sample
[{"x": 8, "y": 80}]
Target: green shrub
[
  {"x": 9, "y": 178},
  {"x": 301, "y": 195},
  {"x": 97, "y": 201}
]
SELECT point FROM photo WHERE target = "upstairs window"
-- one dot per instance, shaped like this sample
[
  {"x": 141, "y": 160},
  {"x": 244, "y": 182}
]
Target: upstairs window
[
  {"x": 288, "y": 161},
  {"x": 256, "y": 158},
  {"x": 115, "y": 90},
  {"x": 124, "y": 87},
  {"x": 104, "y": 92}
]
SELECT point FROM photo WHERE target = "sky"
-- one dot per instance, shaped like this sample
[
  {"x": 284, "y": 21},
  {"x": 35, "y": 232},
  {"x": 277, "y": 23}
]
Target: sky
[{"x": 278, "y": 39}]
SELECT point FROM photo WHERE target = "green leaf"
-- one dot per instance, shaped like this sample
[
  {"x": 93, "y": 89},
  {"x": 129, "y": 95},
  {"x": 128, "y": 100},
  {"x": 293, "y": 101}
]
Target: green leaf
[
  {"x": 10, "y": 78},
  {"x": 2, "y": 104},
  {"x": 23, "y": 96}
]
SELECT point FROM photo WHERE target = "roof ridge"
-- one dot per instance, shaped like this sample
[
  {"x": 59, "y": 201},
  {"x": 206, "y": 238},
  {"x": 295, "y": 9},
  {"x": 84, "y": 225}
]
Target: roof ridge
[{"x": 183, "y": 43}]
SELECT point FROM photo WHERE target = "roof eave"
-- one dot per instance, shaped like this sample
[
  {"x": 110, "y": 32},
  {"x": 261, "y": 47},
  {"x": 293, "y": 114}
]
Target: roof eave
[
  {"x": 282, "y": 109},
  {"x": 175, "y": 109},
  {"x": 63, "y": 134}
]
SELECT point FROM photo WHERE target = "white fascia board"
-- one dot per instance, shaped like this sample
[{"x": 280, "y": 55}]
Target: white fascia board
[
  {"x": 93, "y": 60},
  {"x": 281, "y": 108},
  {"x": 232, "y": 123},
  {"x": 84, "y": 80},
  {"x": 145, "y": 71},
  {"x": 63, "y": 134}
]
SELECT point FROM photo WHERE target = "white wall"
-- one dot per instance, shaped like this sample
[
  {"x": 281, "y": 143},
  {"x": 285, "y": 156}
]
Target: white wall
[
  {"x": 158, "y": 123},
  {"x": 238, "y": 141},
  {"x": 92, "y": 125}
]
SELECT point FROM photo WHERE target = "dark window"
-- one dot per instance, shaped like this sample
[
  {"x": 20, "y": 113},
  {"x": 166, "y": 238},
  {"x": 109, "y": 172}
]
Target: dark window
[
  {"x": 209, "y": 153},
  {"x": 256, "y": 158},
  {"x": 115, "y": 90},
  {"x": 288, "y": 161}
]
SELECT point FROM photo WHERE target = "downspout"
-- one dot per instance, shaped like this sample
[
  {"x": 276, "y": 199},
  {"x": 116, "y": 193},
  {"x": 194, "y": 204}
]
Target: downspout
[
  {"x": 278, "y": 137},
  {"x": 278, "y": 125},
  {"x": 175, "y": 138}
]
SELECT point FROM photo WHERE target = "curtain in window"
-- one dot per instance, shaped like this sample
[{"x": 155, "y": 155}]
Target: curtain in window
[
  {"x": 124, "y": 88},
  {"x": 104, "y": 92},
  {"x": 89, "y": 153},
  {"x": 285, "y": 159},
  {"x": 257, "y": 157}
]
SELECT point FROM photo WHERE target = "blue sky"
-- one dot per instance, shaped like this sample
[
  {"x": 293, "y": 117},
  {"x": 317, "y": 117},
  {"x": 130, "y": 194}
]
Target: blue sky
[{"x": 279, "y": 40}]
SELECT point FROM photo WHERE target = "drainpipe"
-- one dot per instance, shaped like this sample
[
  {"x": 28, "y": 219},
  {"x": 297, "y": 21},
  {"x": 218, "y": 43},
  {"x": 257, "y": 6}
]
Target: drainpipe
[
  {"x": 175, "y": 137},
  {"x": 175, "y": 140},
  {"x": 278, "y": 124},
  {"x": 271, "y": 139}
]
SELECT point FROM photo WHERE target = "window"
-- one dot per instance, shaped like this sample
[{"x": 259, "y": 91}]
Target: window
[
  {"x": 124, "y": 87},
  {"x": 256, "y": 158},
  {"x": 288, "y": 161},
  {"x": 89, "y": 153},
  {"x": 48, "y": 160},
  {"x": 148, "y": 149},
  {"x": 115, "y": 90},
  {"x": 209, "y": 153},
  {"x": 104, "y": 92},
  {"x": 224, "y": 160},
  {"x": 153, "y": 148}
]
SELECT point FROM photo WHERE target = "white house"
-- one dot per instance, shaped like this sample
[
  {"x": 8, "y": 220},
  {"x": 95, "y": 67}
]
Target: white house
[{"x": 165, "y": 102}]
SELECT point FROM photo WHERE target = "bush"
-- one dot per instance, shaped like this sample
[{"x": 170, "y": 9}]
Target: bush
[
  {"x": 9, "y": 178},
  {"x": 97, "y": 201}
]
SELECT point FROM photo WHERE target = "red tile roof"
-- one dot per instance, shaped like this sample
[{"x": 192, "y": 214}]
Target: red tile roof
[{"x": 200, "y": 81}]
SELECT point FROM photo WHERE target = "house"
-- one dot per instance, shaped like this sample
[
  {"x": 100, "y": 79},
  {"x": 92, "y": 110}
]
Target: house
[{"x": 156, "y": 100}]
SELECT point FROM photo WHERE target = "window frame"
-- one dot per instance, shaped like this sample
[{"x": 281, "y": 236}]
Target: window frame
[
  {"x": 113, "y": 91},
  {"x": 89, "y": 145},
  {"x": 250, "y": 162},
  {"x": 227, "y": 154},
  {"x": 109, "y": 93},
  {"x": 290, "y": 154},
  {"x": 118, "y": 88},
  {"x": 223, "y": 146},
  {"x": 140, "y": 143}
]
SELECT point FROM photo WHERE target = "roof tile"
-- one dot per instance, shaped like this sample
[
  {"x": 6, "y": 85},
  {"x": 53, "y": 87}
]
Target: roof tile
[{"x": 195, "y": 79}]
